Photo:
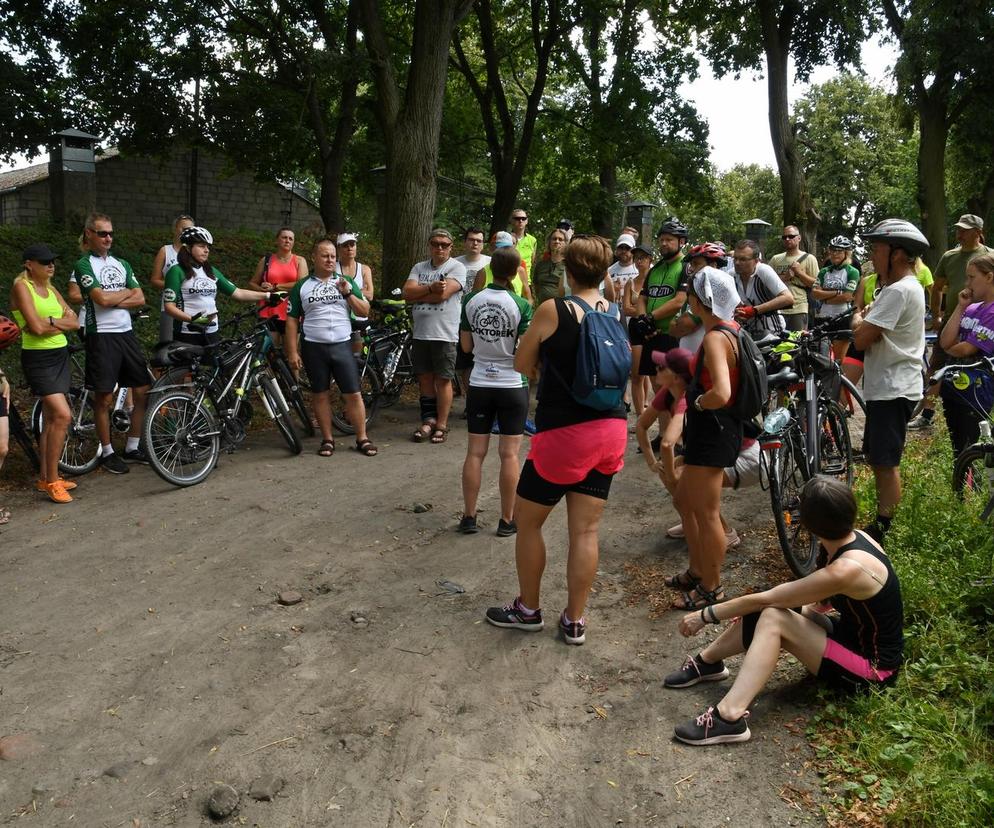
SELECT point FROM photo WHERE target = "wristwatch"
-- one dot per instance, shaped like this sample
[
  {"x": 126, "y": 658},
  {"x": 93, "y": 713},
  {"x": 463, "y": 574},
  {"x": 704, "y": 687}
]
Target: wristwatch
[{"x": 697, "y": 402}]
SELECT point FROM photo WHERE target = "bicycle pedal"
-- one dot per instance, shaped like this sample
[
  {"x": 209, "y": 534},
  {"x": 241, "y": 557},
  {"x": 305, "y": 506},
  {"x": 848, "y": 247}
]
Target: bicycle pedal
[{"x": 833, "y": 468}]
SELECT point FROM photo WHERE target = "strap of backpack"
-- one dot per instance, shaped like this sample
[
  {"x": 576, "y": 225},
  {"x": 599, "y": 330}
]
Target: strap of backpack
[
  {"x": 265, "y": 267},
  {"x": 733, "y": 337}
]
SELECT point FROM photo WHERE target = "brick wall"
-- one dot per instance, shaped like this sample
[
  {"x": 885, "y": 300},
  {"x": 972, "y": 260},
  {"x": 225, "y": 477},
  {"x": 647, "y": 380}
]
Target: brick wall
[{"x": 139, "y": 192}]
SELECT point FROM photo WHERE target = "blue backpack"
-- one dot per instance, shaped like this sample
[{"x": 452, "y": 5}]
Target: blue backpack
[{"x": 603, "y": 358}]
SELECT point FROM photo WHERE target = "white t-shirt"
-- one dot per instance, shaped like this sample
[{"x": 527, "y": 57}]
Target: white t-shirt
[
  {"x": 473, "y": 267},
  {"x": 324, "y": 308},
  {"x": 438, "y": 321},
  {"x": 620, "y": 274},
  {"x": 893, "y": 364}
]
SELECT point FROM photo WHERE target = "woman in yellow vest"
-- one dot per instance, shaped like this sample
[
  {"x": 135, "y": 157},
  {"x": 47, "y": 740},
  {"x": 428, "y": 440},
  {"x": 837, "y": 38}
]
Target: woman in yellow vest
[{"x": 43, "y": 316}]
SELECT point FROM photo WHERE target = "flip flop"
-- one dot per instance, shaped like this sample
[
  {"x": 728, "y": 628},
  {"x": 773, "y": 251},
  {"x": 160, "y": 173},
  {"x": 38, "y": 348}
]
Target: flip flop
[{"x": 4, "y": 515}]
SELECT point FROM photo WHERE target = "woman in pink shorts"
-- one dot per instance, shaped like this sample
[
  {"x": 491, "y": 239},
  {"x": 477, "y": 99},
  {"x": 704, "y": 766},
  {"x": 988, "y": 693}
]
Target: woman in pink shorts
[
  {"x": 861, "y": 644},
  {"x": 575, "y": 453}
]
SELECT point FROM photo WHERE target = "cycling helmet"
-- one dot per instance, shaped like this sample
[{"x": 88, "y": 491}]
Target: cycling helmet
[
  {"x": 898, "y": 233},
  {"x": 8, "y": 332},
  {"x": 709, "y": 250},
  {"x": 840, "y": 243},
  {"x": 673, "y": 227},
  {"x": 192, "y": 235}
]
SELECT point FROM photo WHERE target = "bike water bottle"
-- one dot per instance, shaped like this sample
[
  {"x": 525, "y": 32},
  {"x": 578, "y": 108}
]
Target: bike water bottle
[
  {"x": 391, "y": 364},
  {"x": 985, "y": 431}
]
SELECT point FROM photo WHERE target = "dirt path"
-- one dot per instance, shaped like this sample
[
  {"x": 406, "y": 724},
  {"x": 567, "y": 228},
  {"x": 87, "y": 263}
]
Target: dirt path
[{"x": 139, "y": 632}]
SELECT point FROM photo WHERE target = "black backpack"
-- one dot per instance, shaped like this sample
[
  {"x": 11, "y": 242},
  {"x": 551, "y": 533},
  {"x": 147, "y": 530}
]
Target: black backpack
[{"x": 753, "y": 385}]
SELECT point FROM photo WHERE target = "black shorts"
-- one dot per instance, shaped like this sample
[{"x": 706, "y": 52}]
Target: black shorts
[
  {"x": 433, "y": 356},
  {"x": 276, "y": 325},
  {"x": 46, "y": 370},
  {"x": 532, "y": 486},
  {"x": 115, "y": 359},
  {"x": 885, "y": 431},
  {"x": 464, "y": 361},
  {"x": 509, "y": 406},
  {"x": 659, "y": 342},
  {"x": 324, "y": 360},
  {"x": 710, "y": 438},
  {"x": 635, "y": 335}
]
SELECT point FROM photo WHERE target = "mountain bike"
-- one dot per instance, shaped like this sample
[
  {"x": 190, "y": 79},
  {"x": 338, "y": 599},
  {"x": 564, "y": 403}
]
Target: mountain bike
[
  {"x": 20, "y": 435},
  {"x": 806, "y": 434},
  {"x": 973, "y": 470},
  {"x": 185, "y": 430}
]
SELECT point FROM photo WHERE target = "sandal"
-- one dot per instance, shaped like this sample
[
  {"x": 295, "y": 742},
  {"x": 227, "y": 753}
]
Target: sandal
[
  {"x": 4, "y": 515},
  {"x": 699, "y": 598},
  {"x": 366, "y": 447},
  {"x": 327, "y": 448},
  {"x": 685, "y": 581},
  {"x": 423, "y": 431},
  {"x": 439, "y": 434}
]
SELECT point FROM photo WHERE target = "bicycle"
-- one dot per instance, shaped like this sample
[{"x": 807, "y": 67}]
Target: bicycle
[
  {"x": 973, "y": 470},
  {"x": 806, "y": 434},
  {"x": 20, "y": 435},
  {"x": 184, "y": 430}
]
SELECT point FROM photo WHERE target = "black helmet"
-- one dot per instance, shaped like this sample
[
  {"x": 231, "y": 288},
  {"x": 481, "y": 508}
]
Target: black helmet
[
  {"x": 898, "y": 233},
  {"x": 840, "y": 243},
  {"x": 192, "y": 235},
  {"x": 672, "y": 226}
]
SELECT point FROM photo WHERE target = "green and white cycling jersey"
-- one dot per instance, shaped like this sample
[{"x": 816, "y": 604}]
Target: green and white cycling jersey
[
  {"x": 111, "y": 275},
  {"x": 323, "y": 308},
  {"x": 196, "y": 296},
  {"x": 496, "y": 317},
  {"x": 845, "y": 278}
]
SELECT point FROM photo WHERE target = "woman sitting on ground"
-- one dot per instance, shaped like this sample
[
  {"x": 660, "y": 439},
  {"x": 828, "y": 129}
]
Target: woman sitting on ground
[{"x": 862, "y": 647}]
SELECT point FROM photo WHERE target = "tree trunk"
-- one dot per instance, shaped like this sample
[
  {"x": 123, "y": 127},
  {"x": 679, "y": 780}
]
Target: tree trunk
[
  {"x": 934, "y": 130},
  {"x": 982, "y": 202},
  {"x": 412, "y": 125},
  {"x": 602, "y": 215}
]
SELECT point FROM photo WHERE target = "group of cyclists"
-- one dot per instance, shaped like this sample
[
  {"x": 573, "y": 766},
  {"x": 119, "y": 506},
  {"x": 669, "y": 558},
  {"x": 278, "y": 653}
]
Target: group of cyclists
[{"x": 521, "y": 314}]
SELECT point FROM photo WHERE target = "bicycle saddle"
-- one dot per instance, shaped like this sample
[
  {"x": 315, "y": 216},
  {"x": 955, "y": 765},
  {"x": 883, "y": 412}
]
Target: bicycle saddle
[
  {"x": 785, "y": 376},
  {"x": 172, "y": 354}
]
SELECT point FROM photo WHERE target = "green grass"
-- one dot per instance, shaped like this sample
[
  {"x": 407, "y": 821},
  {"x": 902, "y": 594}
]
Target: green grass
[{"x": 922, "y": 752}]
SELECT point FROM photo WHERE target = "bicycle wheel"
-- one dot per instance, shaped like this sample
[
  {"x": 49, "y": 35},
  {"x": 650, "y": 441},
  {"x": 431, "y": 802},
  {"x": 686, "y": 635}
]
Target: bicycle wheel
[
  {"x": 273, "y": 397},
  {"x": 22, "y": 437},
  {"x": 854, "y": 394},
  {"x": 292, "y": 393},
  {"x": 973, "y": 477},
  {"x": 182, "y": 438},
  {"x": 372, "y": 396},
  {"x": 81, "y": 453},
  {"x": 787, "y": 473},
  {"x": 835, "y": 454}
]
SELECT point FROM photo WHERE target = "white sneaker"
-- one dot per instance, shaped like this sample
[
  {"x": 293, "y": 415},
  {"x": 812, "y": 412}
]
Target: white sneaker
[
  {"x": 676, "y": 531},
  {"x": 920, "y": 423},
  {"x": 732, "y": 538}
]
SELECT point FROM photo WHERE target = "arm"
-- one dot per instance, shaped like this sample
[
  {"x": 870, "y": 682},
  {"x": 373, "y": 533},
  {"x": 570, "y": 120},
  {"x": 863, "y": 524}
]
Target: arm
[
  {"x": 367, "y": 279},
  {"x": 935, "y": 301},
  {"x": 74, "y": 293},
  {"x": 290, "y": 343},
  {"x": 831, "y": 297},
  {"x": 246, "y": 295},
  {"x": 544, "y": 324},
  {"x": 648, "y": 416},
  {"x": 803, "y": 271},
  {"x": 526, "y": 288},
  {"x": 156, "y": 278},
  {"x": 302, "y": 272},
  {"x": 950, "y": 332},
  {"x": 20, "y": 298},
  {"x": 352, "y": 292},
  {"x": 609, "y": 292},
  {"x": 683, "y": 325},
  {"x": 415, "y": 292},
  {"x": 667, "y": 455},
  {"x": 864, "y": 333},
  {"x": 128, "y": 298},
  {"x": 670, "y": 307},
  {"x": 629, "y": 299},
  {"x": 716, "y": 349},
  {"x": 466, "y": 341}
]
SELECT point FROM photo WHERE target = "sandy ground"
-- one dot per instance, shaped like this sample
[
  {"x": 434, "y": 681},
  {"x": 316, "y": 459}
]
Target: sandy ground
[{"x": 139, "y": 634}]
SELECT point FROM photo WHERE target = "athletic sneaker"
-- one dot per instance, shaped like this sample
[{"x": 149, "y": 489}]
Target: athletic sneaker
[
  {"x": 42, "y": 486},
  {"x": 921, "y": 423},
  {"x": 114, "y": 464},
  {"x": 530, "y": 427},
  {"x": 506, "y": 528},
  {"x": 574, "y": 632},
  {"x": 136, "y": 456},
  {"x": 513, "y": 616},
  {"x": 710, "y": 729},
  {"x": 57, "y": 492},
  {"x": 468, "y": 525},
  {"x": 695, "y": 670},
  {"x": 676, "y": 531}
]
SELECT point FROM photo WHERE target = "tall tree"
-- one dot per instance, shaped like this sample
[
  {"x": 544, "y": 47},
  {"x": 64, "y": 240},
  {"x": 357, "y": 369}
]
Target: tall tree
[
  {"x": 410, "y": 117},
  {"x": 768, "y": 35},
  {"x": 516, "y": 54},
  {"x": 943, "y": 69}
]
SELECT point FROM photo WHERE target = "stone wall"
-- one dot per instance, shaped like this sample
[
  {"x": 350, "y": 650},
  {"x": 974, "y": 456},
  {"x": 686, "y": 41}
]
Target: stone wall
[{"x": 139, "y": 192}]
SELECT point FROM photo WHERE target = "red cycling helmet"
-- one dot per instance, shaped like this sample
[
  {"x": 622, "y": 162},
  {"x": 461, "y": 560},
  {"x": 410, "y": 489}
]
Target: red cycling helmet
[
  {"x": 8, "y": 332},
  {"x": 709, "y": 250}
]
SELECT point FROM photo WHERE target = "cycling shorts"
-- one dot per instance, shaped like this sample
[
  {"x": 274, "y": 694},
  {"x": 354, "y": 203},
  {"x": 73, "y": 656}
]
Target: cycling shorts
[
  {"x": 324, "y": 360},
  {"x": 115, "y": 359},
  {"x": 508, "y": 406}
]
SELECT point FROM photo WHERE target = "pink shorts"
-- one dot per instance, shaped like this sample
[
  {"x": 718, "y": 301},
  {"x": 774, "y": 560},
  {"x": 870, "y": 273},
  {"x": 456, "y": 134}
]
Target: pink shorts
[
  {"x": 566, "y": 455},
  {"x": 851, "y": 662}
]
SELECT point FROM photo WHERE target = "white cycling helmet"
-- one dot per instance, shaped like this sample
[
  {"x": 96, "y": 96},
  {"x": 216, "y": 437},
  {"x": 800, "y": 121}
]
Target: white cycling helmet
[
  {"x": 840, "y": 243},
  {"x": 898, "y": 233},
  {"x": 192, "y": 235}
]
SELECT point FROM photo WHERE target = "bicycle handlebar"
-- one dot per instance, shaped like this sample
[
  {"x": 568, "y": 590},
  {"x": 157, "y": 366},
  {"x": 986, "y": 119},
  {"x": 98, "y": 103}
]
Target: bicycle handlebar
[{"x": 984, "y": 364}]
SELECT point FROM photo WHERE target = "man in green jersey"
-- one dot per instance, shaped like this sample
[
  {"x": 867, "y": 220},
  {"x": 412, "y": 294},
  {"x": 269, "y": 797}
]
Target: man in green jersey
[{"x": 663, "y": 294}]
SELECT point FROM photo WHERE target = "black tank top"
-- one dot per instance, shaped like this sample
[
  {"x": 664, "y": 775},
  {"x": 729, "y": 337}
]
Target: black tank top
[
  {"x": 556, "y": 406},
  {"x": 874, "y": 628}
]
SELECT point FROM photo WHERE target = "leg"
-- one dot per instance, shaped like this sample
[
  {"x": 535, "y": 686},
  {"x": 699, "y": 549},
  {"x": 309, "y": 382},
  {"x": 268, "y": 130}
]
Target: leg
[
  {"x": 57, "y": 415},
  {"x": 102, "y": 401},
  {"x": 704, "y": 533},
  {"x": 584, "y": 517},
  {"x": 508, "y": 448},
  {"x": 443, "y": 393},
  {"x": 638, "y": 388},
  {"x": 355, "y": 413},
  {"x": 529, "y": 549},
  {"x": 429, "y": 406},
  {"x": 888, "y": 483},
  {"x": 472, "y": 473},
  {"x": 140, "y": 396},
  {"x": 321, "y": 404},
  {"x": 777, "y": 629}
]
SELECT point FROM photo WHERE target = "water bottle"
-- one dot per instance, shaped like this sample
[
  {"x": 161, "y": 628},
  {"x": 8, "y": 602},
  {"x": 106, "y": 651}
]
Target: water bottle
[
  {"x": 985, "y": 431},
  {"x": 390, "y": 367},
  {"x": 776, "y": 421}
]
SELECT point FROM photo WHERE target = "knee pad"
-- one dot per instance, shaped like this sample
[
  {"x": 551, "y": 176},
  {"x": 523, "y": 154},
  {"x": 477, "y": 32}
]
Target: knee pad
[{"x": 429, "y": 408}]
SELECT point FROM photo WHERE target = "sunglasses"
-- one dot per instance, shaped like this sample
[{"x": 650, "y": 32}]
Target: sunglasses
[
  {"x": 520, "y": 218},
  {"x": 104, "y": 234},
  {"x": 441, "y": 245},
  {"x": 788, "y": 238}
]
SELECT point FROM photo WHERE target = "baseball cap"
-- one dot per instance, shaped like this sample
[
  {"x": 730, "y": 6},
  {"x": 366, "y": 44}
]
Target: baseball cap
[
  {"x": 39, "y": 253},
  {"x": 440, "y": 232},
  {"x": 503, "y": 239},
  {"x": 626, "y": 239},
  {"x": 643, "y": 248},
  {"x": 346, "y": 237},
  {"x": 564, "y": 224},
  {"x": 677, "y": 360},
  {"x": 968, "y": 221}
]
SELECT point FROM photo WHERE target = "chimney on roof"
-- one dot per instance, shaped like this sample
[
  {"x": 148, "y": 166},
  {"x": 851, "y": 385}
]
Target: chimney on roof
[{"x": 72, "y": 176}]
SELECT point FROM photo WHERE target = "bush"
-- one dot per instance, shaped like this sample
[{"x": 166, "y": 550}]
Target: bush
[{"x": 922, "y": 752}]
